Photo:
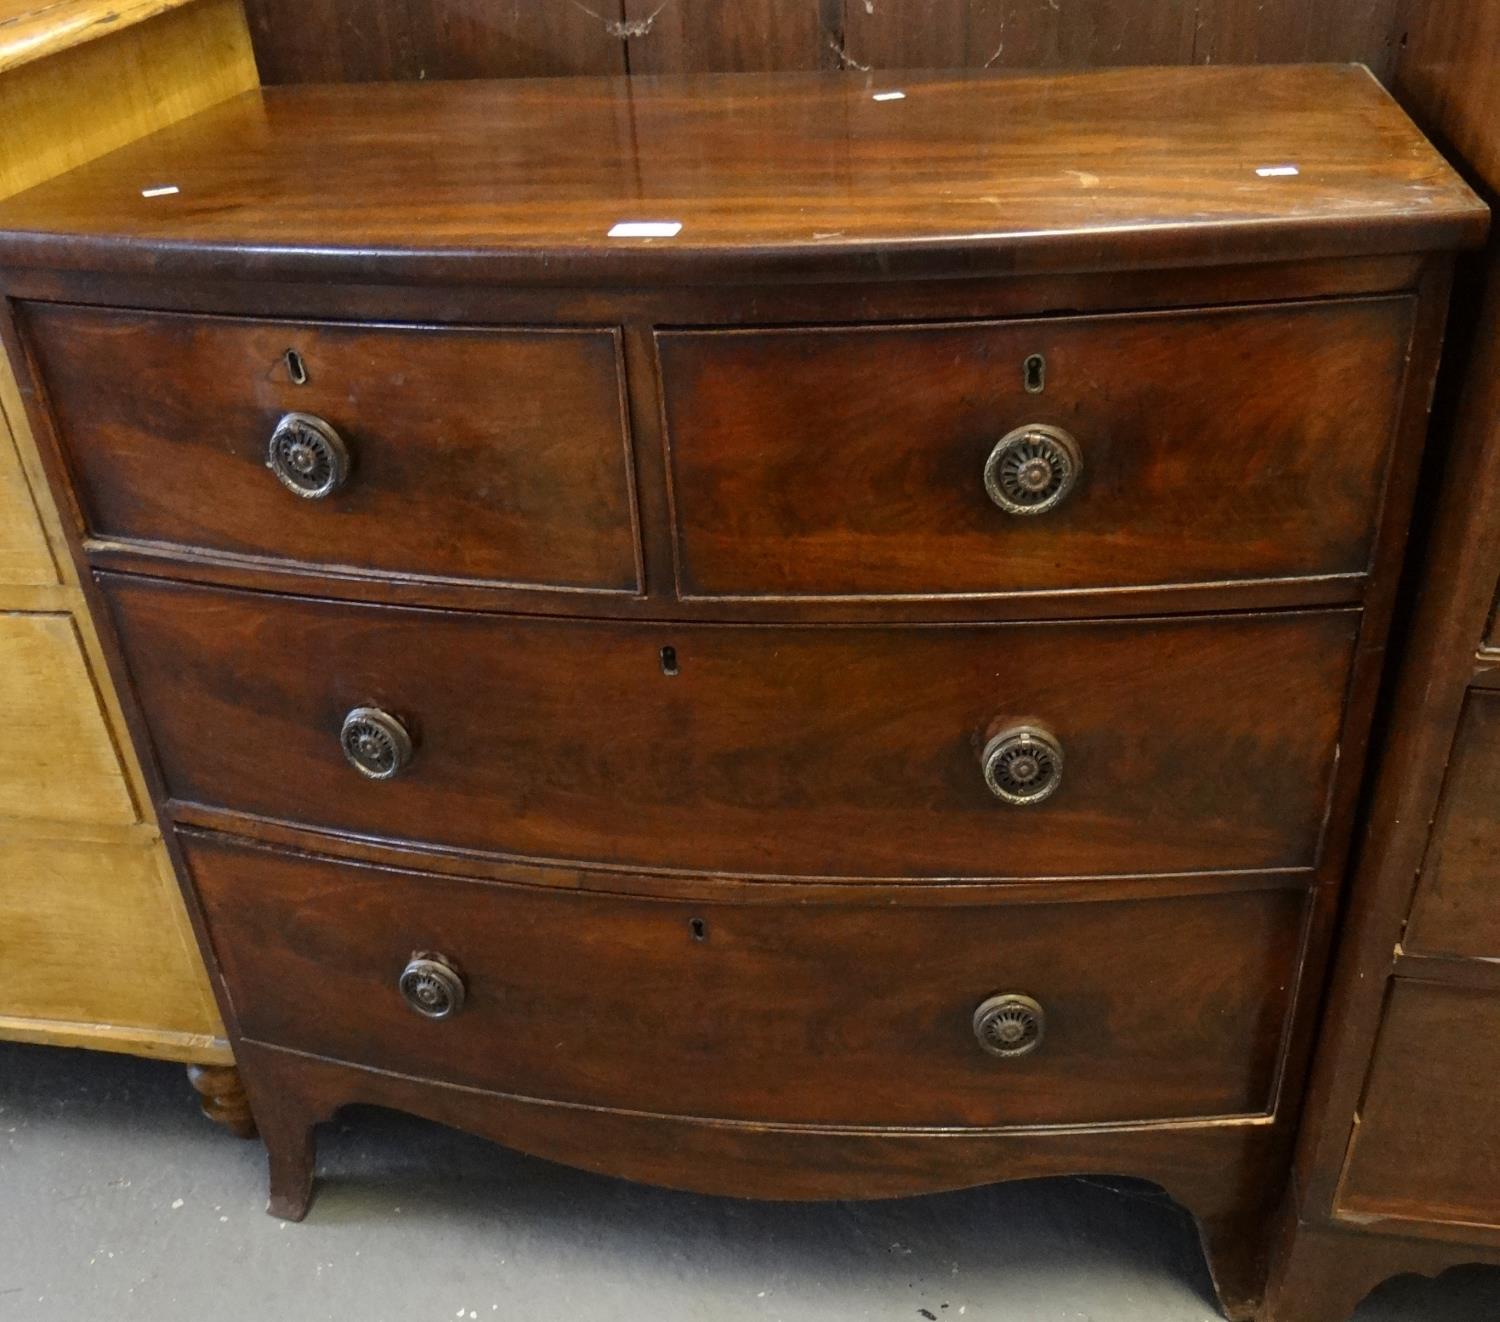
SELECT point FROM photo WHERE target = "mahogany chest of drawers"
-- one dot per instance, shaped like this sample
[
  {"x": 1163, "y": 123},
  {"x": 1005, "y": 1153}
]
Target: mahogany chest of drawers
[{"x": 759, "y": 634}]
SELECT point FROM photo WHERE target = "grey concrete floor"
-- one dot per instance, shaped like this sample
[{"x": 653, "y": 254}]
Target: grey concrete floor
[{"x": 119, "y": 1202}]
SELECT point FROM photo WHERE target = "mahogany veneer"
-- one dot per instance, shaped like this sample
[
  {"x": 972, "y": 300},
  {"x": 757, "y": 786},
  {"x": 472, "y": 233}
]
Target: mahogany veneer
[{"x": 865, "y": 695}]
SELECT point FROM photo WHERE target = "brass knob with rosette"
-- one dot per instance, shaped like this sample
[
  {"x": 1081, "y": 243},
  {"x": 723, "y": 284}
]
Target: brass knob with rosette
[
  {"x": 1010, "y": 1025},
  {"x": 432, "y": 986},
  {"x": 1032, "y": 469},
  {"x": 376, "y": 744},
  {"x": 308, "y": 457},
  {"x": 1023, "y": 764}
]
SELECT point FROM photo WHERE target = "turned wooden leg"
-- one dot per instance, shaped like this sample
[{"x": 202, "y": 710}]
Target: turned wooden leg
[{"x": 222, "y": 1097}]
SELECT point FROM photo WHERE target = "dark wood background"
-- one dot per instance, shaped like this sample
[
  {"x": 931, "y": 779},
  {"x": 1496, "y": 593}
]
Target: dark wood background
[{"x": 359, "y": 40}]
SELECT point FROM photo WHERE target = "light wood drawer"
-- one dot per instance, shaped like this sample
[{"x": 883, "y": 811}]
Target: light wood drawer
[
  {"x": 60, "y": 763},
  {"x": 94, "y": 934},
  {"x": 1216, "y": 445},
  {"x": 24, "y": 557}
]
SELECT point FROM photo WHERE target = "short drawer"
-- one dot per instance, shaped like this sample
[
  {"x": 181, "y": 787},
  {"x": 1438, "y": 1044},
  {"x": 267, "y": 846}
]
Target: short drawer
[
  {"x": 24, "y": 556},
  {"x": 1457, "y": 908},
  {"x": 1200, "y": 743},
  {"x": 1203, "y": 446},
  {"x": 859, "y": 1013},
  {"x": 94, "y": 935},
  {"x": 60, "y": 763},
  {"x": 471, "y": 454},
  {"x": 1425, "y": 1143}
]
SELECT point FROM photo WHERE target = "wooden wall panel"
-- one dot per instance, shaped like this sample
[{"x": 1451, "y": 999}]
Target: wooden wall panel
[
  {"x": 355, "y": 40},
  {"x": 1016, "y": 34},
  {"x": 1284, "y": 31},
  {"x": 304, "y": 41},
  {"x": 683, "y": 36},
  {"x": 1449, "y": 78}
]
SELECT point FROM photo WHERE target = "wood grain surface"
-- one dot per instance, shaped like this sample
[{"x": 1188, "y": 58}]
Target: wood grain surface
[
  {"x": 356, "y": 40},
  {"x": 1214, "y": 445},
  {"x": 1431, "y": 1090},
  {"x": 60, "y": 763},
  {"x": 35, "y": 29},
  {"x": 1395, "y": 1168},
  {"x": 95, "y": 946},
  {"x": 812, "y": 1013},
  {"x": 1457, "y": 906},
  {"x": 93, "y": 950},
  {"x": 494, "y": 455},
  {"x": 95, "y": 97},
  {"x": 25, "y": 557},
  {"x": 843, "y": 751},
  {"x": 1449, "y": 75},
  {"x": 781, "y": 175}
]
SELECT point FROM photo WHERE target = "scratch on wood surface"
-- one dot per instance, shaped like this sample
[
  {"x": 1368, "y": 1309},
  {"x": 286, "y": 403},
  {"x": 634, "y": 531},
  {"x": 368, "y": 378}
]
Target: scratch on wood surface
[
  {"x": 846, "y": 61},
  {"x": 999, "y": 49},
  {"x": 624, "y": 29},
  {"x": 1197, "y": 31}
]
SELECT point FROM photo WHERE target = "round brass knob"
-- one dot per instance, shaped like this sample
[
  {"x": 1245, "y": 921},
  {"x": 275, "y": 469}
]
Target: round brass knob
[
  {"x": 308, "y": 456},
  {"x": 1022, "y": 764},
  {"x": 1032, "y": 469},
  {"x": 375, "y": 742},
  {"x": 1010, "y": 1025},
  {"x": 432, "y": 986}
]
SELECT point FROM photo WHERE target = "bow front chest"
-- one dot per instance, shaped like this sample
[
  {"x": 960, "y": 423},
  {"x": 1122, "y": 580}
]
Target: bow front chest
[{"x": 795, "y": 636}]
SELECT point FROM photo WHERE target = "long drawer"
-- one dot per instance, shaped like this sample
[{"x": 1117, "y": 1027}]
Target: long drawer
[
  {"x": 1199, "y": 743},
  {"x": 490, "y": 455},
  {"x": 1049, "y": 454},
  {"x": 849, "y": 1013}
]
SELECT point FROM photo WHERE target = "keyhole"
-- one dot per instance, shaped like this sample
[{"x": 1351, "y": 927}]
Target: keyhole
[
  {"x": 669, "y": 661},
  {"x": 699, "y": 929},
  {"x": 295, "y": 367},
  {"x": 1034, "y": 374}
]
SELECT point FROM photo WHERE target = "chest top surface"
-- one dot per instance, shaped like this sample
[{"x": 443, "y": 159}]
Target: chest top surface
[{"x": 767, "y": 175}]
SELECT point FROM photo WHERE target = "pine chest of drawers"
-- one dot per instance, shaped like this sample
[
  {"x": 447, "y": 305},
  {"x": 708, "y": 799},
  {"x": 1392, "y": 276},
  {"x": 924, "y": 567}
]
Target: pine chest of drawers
[{"x": 759, "y": 634}]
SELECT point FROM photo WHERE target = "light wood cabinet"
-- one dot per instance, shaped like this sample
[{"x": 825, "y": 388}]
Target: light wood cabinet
[{"x": 95, "y": 945}]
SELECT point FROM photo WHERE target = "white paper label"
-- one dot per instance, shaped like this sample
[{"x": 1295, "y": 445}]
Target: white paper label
[
  {"x": 166, "y": 190},
  {"x": 1277, "y": 171},
  {"x": 889, "y": 96},
  {"x": 645, "y": 229}
]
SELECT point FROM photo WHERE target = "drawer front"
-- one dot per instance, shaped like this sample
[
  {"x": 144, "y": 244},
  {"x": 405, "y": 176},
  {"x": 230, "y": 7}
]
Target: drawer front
[
  {"x": 1457, "y": 909},
  {"x": 1425, "y": 1145},
  {"x": 1214, "y": 445},
  {"x": 840, "y": 751},
  {"x": 95, "y": 935},
  {"x": 24, "y": 557},
  {"x": 60, "y": 762},
  {"x": 491, "y": 455},
  {"x": 830, "y": 1013}
]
